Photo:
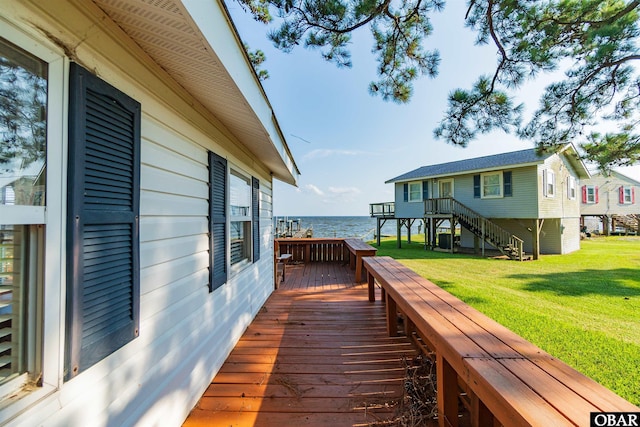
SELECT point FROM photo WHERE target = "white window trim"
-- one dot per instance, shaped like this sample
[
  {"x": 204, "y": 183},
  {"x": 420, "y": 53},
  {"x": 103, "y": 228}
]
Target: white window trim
[
  {"x": 442, "y": 181},
  {"x": 625, "y": 189},
  {"x": 501, "y": 179},
  {"x": 419, "y": 199},
  {"x": 234, "y": 269},
  {"x": 591, "y": 201},
  {"x": 572, "y": 186},
  {"x": 52, "y": 216},
  {"x": 549, "y": 174}
]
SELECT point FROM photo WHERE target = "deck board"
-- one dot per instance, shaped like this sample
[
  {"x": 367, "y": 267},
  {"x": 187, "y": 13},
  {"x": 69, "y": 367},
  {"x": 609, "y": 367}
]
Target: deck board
[{"x": 317, "y": 354}]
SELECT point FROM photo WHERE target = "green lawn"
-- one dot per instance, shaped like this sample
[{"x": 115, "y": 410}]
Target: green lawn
[{"x": 583, "y": 308}]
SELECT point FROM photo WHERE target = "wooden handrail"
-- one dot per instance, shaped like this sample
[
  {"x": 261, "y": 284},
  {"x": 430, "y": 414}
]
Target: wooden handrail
[
  {"x": 386, "y": 209},
  {"x": 478, "y": 224},
  {"x": 506, "y": 380},
  {"x": 314, "y": 249}
]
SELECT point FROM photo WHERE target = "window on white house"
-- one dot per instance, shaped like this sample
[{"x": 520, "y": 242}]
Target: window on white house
[
  {"x": 240, "y": 217},
  {"x": 590, "y": 194},
  {"x": 415, "y": 191},
  {"x": 491, "y": 185},
  {"x": 23, "y": 141},
  {"x": 626, "y": 195},
  {"x": 549, "y": 183},
  {"x": 234, "y": 219},
  {"x": 571, "y": 188}
]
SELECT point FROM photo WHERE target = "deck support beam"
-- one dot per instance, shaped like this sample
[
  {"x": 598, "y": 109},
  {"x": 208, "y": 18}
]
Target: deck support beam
[{"x": 535, "y": 231}]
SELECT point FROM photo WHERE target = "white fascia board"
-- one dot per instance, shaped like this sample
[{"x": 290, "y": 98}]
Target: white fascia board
[
  {"x": 217, "y": 29},
  {"x": 576, "y": 161}
]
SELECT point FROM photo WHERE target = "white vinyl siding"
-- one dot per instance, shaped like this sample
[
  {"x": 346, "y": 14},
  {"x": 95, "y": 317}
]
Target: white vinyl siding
[
  {"x": 608, "y": 188},
  {"x": 404, "y": 209},
  {"x": 522, "y": 204},
  {"x": 185, "y": 332},
  {"x": 552, "y": 179}
]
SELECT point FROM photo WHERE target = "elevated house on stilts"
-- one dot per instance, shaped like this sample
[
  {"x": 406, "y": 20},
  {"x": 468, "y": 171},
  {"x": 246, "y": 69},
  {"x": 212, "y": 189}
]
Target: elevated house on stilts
[
  {"x": 521, "y": 203},
  {"x": 609, "y": 204}
]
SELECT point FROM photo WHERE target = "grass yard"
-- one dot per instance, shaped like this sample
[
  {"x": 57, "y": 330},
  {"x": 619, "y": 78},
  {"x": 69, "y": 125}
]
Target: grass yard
[{"x": 583, "y": 308}]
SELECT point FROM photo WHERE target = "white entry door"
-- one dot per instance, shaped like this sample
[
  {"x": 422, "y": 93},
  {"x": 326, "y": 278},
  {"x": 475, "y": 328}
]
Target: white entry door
[{"x": 446, "y": 187}]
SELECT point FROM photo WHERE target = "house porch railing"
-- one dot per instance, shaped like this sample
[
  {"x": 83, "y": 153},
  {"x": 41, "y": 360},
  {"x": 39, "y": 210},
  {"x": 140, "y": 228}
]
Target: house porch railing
[
  {"x": 383, "y": 210},
  {"x": 480, "y": 226},
  {"x": 313, "y": 249}
]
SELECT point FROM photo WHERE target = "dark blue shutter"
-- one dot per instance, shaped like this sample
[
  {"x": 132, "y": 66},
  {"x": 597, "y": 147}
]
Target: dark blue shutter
[
  {"x": 476, "y": 186},
  {"x": 425, "y": 190},
  {"x": 255, "y": 217},
  {"x": 217, "y": 221},
  {"x": 103, "y": 283},
  {"x": 406, "y": 192},
  {"x": 507, "y": 187}
]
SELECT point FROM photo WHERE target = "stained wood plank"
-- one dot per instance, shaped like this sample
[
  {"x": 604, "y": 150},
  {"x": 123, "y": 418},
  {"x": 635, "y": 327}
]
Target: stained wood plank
[
  {"x": 285, "y": 390},
  {"x": 200, "y": 418},
  {"x": 317, "y": 354},
  {"x": 491, "y": 379},
  {"x": 517, "y": 381}
]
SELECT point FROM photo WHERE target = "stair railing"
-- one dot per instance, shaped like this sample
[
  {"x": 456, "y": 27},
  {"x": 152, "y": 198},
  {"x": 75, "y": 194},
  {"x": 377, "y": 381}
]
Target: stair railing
[{"x": 482, "y": 227}]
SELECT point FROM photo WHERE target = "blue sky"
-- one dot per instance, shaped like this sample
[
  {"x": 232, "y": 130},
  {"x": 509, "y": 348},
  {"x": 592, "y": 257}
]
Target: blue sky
[{"x": 346, "y": 142}]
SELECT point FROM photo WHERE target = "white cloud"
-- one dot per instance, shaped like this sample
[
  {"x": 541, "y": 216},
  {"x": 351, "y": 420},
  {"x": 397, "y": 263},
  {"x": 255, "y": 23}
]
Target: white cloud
[
  {"x": 345, "y": 191},
  {"x": 314, "y": 189}
]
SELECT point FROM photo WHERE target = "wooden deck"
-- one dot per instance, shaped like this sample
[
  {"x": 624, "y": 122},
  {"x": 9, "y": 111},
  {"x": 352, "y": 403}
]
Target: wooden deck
[{"x": 317, "y": 354}]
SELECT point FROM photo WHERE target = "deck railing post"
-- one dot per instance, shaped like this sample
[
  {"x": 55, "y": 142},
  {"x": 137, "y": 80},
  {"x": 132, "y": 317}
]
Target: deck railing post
[{"x": 447, "y": 392}]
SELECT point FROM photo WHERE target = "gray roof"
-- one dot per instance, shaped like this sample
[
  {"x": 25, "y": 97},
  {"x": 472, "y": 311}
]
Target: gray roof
[{"x": 496, "y": 161}]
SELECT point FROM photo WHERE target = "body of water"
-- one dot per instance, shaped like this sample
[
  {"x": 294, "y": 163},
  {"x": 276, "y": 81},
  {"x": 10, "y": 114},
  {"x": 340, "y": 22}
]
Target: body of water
[{"x": 363, "y": 227}]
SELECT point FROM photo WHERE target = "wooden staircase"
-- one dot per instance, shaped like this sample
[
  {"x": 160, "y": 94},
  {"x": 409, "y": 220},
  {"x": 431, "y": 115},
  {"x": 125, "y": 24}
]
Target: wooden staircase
[
  {"x": 629, "y": 222},
  {"x": 489, "y": 231}
]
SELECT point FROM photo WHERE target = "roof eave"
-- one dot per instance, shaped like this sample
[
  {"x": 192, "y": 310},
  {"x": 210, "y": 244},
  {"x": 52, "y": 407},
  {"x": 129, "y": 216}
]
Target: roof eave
[
  {"x": 282, "y": 165},
  {"x": 197, "y": 45},
  {"x": 575, "y": 160},
  {"x": 466, "y": 172}
]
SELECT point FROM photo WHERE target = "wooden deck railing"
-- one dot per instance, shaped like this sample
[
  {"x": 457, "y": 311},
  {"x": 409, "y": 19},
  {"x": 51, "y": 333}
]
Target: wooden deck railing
[
  {"x": 498, "y": 376},
  {"x": 385, "y": 210},
  {"x": 314, "y": 249}
]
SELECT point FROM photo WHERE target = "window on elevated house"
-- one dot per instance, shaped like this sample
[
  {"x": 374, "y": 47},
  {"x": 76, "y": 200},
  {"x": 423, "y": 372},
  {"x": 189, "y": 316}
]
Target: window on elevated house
[
  {"x": 549, "y": 183},
  {"x": 589, "y": 194},
  {"x": 571, "y": 188},
  {"x": 491, "y": 185},
  {"x": 627, "y": 195},
  {"x": 415, "y": 191}
]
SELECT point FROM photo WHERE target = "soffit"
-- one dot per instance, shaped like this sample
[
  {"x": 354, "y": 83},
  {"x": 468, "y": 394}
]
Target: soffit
[{"x": 166, "y": 32}]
